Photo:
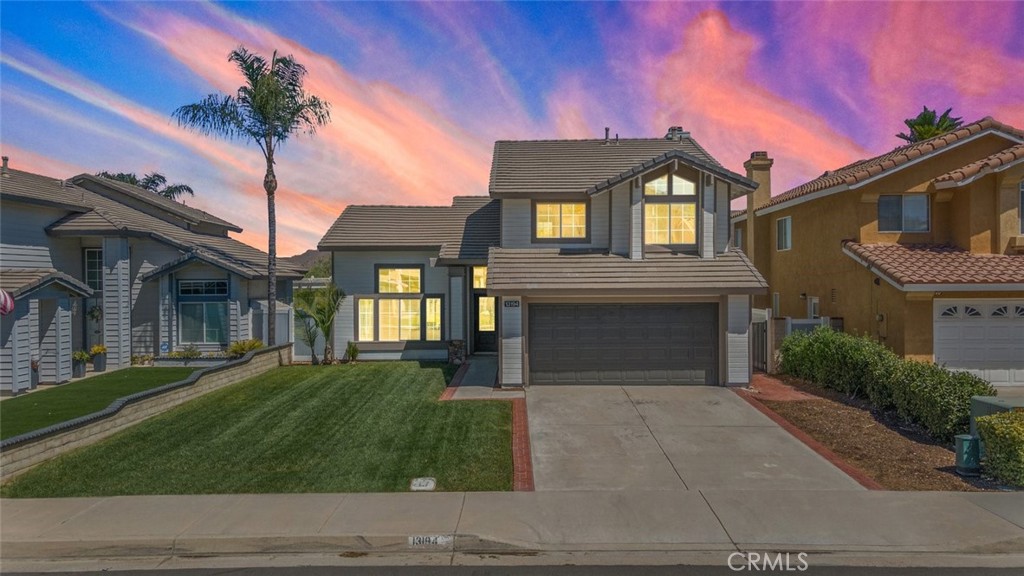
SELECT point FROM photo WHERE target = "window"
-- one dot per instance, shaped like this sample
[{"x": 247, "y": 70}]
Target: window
[
  {"x": 480, "y": 277},
  {"x": 972, "y": 312},
  {"x": 560, "y": 221},
  {"x": 813, "y": 307},
  {"x": 386, "y": 319},
  {"x": 202, "y": 287},
  {"x": 903, "y": 213},
  {"x": 94, "y": 268},
  {"x": 366, "y": 322},
  {"x": 434, "y": 319},
  {"x": 737, "y": 238},
  {"x": 1001, "y": 312},
  {"x": 951, "y": 312},
  {"x": 204, "y": 322},
  {"x": 784, "y": 233},
  {"x": 670, "y": 211},
  {"x": 398, "y": 280},
  {"x": 389, "y": 320},
  {"x": 485, "y": 313}
]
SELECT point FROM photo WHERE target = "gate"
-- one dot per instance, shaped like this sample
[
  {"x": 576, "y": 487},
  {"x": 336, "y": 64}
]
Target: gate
[{"x": 759, "y": 345}]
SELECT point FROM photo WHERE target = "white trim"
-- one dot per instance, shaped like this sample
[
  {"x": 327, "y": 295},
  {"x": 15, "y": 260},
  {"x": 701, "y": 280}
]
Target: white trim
[
  {"x": 883, "y": 174},
  {"x": 959, "y": 287},
  {"x": 982, "y": 173}
]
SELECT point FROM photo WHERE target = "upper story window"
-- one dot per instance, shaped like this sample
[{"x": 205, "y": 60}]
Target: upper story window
[
  {"x": 903, "y": 213},
  {"x": 560, "y": 221},
  {"x": 394, "y": 280},
  {"x": 94, "y": 268},
  {"x": 784, "y": 233},
  {"x": 479, "y": 277},
  {"x": 202, "y": 287},
  {"x": 670, "y": 211}
]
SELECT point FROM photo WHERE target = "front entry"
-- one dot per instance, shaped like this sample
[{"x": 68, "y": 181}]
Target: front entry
[{"x": 485, "y": 325}]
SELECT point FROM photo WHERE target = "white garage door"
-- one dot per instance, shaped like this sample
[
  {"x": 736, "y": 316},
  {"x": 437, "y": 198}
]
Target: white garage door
[{"x": 983, "y": 337}]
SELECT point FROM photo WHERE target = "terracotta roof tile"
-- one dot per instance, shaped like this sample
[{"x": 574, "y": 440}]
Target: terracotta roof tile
[
  {"x": 863, "y": 169},
  {"x": 937, "y": 264},
  {"x": 991, "y": 163}
]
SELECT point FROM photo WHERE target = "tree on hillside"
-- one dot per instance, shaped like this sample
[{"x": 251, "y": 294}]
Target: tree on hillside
[
  {"x": 268, "y": 108},
  {"x": 154, "y": 182},
  {"x": 928, "y": 125}
]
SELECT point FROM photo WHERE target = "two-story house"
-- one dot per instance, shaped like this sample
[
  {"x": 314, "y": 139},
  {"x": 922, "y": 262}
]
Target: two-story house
[
  {"x": 591, "y": 262},
  {"x": 921, "y": 247},
  {"x": 94, "y": 261}
]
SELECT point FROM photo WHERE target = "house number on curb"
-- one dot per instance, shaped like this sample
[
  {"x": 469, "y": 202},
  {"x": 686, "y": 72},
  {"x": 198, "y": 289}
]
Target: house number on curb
[{"x": 433, "y": 541}]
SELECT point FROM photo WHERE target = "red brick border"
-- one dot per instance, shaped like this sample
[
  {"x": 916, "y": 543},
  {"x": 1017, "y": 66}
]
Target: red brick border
[
  {"x": 857, "y": 474},
  {"x": 522, "y": 461}
]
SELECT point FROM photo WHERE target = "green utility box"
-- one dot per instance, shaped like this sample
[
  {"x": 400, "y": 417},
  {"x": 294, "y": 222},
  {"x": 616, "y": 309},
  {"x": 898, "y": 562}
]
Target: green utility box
[
  {"x": 968, "y": 455},
  {"x": 986, "y": 405}
]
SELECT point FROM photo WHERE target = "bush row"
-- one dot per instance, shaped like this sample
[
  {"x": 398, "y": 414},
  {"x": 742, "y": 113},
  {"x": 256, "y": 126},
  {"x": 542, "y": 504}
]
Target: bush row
[
  {"x": 930, "y": 395},
  {"x": 1003, "y": 434}
]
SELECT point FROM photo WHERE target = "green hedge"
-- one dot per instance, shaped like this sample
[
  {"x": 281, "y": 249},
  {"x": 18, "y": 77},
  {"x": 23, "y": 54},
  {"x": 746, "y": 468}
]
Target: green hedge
[
  {"x": 936, "y": 398},
  {"x": 1003, "y": 434}
]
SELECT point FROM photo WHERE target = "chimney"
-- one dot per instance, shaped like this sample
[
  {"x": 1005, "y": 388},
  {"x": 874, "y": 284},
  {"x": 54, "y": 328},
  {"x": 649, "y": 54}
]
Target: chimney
[
  {"x": 607, "y": 132},
  {"x": 4, "y": 171},
  {"x": 759, "y": 169}
]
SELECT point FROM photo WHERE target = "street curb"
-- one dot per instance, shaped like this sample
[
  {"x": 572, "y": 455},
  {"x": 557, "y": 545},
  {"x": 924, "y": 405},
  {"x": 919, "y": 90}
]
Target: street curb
[{"x": 857, "y": 474}]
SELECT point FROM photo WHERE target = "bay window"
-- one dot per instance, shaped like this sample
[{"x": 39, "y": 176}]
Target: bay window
[
  {"x": 670, "y": 211},
  {"x": 560, "y": 221}
]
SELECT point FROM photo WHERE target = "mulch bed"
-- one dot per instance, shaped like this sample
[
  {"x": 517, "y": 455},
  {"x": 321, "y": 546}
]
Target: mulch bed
[{"x": 897, "y": 455}]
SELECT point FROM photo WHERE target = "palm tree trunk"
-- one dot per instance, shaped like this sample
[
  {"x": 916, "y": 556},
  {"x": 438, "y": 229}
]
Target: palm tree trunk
[{"x": 270, "y": 185}]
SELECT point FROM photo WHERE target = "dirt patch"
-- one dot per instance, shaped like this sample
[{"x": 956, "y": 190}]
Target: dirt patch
[{"x": 896, "y": 455}]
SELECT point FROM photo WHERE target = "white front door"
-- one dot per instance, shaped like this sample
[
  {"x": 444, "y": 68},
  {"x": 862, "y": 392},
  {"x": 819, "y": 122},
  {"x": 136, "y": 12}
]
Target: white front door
[{"x": 983, "y": 337}]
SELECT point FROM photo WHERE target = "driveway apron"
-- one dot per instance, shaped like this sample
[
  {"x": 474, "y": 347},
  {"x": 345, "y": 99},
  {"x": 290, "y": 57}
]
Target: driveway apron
[{"x": 666, "y": 438}]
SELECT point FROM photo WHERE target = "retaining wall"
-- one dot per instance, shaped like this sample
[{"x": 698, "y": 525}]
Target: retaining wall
[{"x": 19, "y": 453}]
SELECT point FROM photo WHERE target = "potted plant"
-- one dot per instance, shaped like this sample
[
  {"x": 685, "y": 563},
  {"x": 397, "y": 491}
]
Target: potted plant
[
  {"x": 35, "y": 374},
  {"x": 78, "y": 362},
  {"x": 99, "y": 357}
]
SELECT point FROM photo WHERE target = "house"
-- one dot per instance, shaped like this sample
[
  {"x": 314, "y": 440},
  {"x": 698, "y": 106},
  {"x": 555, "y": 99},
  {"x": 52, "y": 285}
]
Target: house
[
  {"x": 921, "y": 247},
  {"x": 94, "y": 261},
  {"x": 591, "y": 262}
]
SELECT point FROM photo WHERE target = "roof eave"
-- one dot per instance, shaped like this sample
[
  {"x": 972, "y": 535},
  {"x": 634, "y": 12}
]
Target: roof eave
[
  {"x": 946, "y": 184},
  {"x": 670, "y": 156}
]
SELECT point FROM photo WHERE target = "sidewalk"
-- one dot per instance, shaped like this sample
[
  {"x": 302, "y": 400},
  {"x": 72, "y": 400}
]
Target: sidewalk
[{"x": 876, "y": 523}]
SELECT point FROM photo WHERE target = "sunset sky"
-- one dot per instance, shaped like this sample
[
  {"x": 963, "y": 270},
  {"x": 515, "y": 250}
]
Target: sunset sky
[{"x": 420, "y": 92}]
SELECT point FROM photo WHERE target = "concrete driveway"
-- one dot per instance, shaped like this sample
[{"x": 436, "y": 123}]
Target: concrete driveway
[{"x": 666, "y": 438}]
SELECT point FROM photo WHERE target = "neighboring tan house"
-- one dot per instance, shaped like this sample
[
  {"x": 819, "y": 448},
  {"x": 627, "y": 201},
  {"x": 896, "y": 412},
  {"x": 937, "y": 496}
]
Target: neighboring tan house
[
  {"x": 921, "y": 247},
  {"x": 95, "y": 261},
  {"x": 592, "y": 262}
]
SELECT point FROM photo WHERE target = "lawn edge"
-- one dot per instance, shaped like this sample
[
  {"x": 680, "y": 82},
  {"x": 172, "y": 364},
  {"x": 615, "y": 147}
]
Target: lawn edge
[{"x": 825, "y": 452}]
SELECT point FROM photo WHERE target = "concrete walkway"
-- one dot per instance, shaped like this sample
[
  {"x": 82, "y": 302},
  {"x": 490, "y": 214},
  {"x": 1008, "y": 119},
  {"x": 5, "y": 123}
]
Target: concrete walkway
[
  {"x": 666, "y": 438},
  {"x": 480, "y": 381},
  {"x": 718, "y": 521}
]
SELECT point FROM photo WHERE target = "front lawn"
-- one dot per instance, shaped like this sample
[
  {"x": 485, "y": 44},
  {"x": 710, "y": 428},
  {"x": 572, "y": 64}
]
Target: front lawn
[
  {"x": 368, "y": 427},
  {"x": 67, "y": 401}
]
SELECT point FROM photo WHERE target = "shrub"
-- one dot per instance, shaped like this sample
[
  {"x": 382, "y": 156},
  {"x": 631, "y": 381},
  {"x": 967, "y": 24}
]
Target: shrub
[
  {"x": 243, "y": 347},
  {"x": 1003, "y": 434},
  {"x": 97, "y": 350},
  {"x": 932, "y": 396},
  {"x": 352, "y": 351},
  {"x": 187, "y": 352},
  {"x": 81, "y": 356}
]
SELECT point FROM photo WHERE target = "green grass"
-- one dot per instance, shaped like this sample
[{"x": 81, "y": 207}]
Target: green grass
[
  {"x": 367, "y": 427},
  {"x": 46, "y": 407}
]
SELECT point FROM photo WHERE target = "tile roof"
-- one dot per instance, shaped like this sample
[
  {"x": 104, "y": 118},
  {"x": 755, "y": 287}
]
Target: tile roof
[
  {"x": 522, "y": 167},
  {"x": 862, "y": 170},
  {"x": 416, "y": 226},
  {"x": 937, "y": 264},
  {"x": 480, "y": 230},
  {"x": 20, "y": 281},
  {"x": 98, "y": 214},
  {"x": 530, "y": 270},
  {"x": 993, "y": 163},
  {"x": 157, "y": 201}
]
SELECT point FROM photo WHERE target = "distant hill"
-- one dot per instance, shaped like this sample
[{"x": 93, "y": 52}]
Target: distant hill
[{"x": 308, "y": 259}]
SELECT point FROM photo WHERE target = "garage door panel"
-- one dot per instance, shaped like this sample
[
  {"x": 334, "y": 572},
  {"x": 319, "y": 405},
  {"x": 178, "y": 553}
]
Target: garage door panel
[
  {"x": 623, "y": 343},
  {"x": 988, "y": 343}
]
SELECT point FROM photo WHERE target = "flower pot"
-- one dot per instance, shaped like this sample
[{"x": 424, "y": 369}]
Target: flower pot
[
  {"x": 78, "y": 369},
  {"x": 99, "y": 362}
]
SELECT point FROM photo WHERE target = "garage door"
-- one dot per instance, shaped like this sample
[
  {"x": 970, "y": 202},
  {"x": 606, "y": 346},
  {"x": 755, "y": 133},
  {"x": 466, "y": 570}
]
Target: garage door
[
  {"x": 984, "y": 337},
  {"x": 623, "y": 343}
]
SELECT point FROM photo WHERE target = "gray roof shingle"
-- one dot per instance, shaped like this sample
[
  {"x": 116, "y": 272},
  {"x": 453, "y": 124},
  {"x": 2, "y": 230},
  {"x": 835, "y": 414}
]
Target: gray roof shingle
[
  {"x": 525, "y": 167},
  {"x": 538, "y": 271},
  {"x": 21, "y": 281}
]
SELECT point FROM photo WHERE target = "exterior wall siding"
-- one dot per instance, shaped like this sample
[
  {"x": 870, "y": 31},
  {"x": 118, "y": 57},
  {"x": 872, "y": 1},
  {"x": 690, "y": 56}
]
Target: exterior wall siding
[
  {"x": 25, "y": 244},
  {"x": 707, "y": 211},
  {"x": 147, "y": 255},
  {"x": 117, "y": 302},
  {"x": 457, "y": 308},
  {"x": 512, "y": 342},
  {"x": 620, "y": 240},
  {"x": 737, "y": 352},
  {"x": 636, "y": 222},
  {"x": 49, "y": 329},
  {"x": 15, "y": 350},
  {"x": 64, "y": 340},
  {"x": 517, "y": 225},
  {"x": 721, "y": 216}
]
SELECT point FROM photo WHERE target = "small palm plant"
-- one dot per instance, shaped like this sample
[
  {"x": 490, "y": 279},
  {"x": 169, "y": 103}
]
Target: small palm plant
[
  {"x": 319, "y": 306},
  {"x": 928, "y": 125}
]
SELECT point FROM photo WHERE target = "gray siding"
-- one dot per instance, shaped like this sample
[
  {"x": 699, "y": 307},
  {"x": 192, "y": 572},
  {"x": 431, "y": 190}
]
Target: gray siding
[
  {"x": 64, "y": 337},
  {"x": 738, "y": 363},
  {"x": 355, "y": 275},
  {"x": 511, "y": 348},
  {"x": 707, "y": 239},
  {"x": 721, "y": 216},
  {"x": 48, "y": 340},
  {"x": 147, "y": 255},
  {"x": 457, "y": 307},
  {"x": 620, "y": 220},
  {"x": 24, "y": 243},
  {"x": 15, "y": 350},
  {"x": 636, "y": 222},
  {"x": 517, "y": 225},
  {"x": 33, "y": 331},
  {"x": 117, "y": 302}
]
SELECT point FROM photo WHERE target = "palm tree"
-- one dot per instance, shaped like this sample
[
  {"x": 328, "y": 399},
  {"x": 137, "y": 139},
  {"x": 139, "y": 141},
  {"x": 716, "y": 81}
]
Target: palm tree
[
  {"x": 154, "y": 182},
  {"x": 318, "y": 307},
  {"x": 926, "y": 125},
  {"x": 267, "y": 109}
]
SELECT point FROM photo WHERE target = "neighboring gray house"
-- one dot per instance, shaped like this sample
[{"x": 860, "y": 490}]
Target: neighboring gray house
[
  {"x": 93, "y": 261},
  {"x": 592, "y": 262}
]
